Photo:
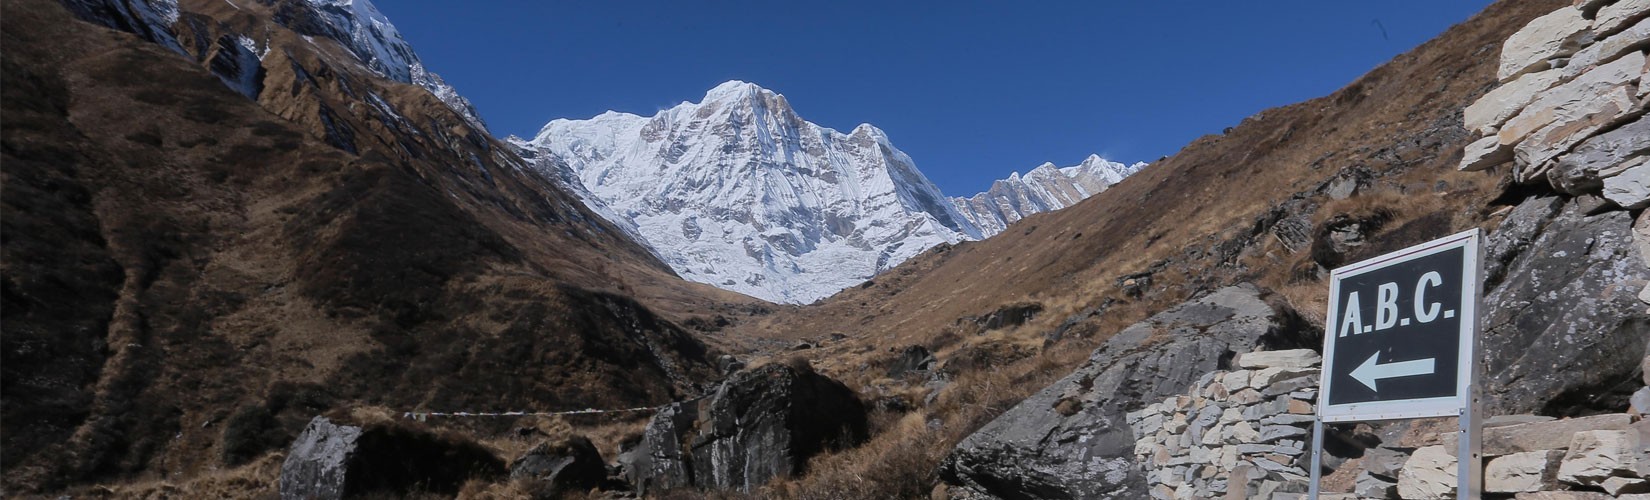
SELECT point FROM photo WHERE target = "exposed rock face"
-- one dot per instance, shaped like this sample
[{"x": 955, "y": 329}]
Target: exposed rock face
[
  {"x": 1086, "y": 450},
  {"x": 331, "y": 460},
  {"x": 316, "y": 467},
  {"x": 760, "y": 424},
  {"x": 569, "y": 465},
  {"x": 1561, "y": 315}
]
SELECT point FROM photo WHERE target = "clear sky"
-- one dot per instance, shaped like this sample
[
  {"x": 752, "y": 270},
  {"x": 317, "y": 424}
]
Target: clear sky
[{"x": 972, "y": 90}]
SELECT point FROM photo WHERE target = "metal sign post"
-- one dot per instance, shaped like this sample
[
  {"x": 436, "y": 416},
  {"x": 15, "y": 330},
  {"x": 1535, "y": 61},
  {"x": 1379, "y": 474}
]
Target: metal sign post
[{"x": 1401, "y": 341}]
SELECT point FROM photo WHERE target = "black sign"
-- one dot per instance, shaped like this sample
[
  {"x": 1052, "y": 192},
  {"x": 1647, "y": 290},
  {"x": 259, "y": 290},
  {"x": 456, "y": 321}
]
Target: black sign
[{"x": 1396, "y": 330}]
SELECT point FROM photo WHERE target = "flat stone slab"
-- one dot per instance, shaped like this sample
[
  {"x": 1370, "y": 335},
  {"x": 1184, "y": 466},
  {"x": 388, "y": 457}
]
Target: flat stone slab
[
  {"x": 1558, "y": 34},
  {"x": 1294, "y": 359},
  {"x": 1540, "y": 436},
  {"x": 1429, "y": 473},
  {"x": 1597, "y": 455},
  {"x": 1519, "y": 472}
]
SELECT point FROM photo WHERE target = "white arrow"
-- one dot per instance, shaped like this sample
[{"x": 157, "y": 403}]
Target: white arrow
[{"x": 1370, "y": 371}]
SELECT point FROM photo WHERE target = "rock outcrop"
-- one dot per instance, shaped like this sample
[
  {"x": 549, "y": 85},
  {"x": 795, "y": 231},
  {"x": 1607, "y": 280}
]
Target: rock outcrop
[
  {"x": 317, "y": 466},
  {"x": 335, "y": 460},
  {"x": 912, "y": 359},
  {"x": 564, "y": 466},
  {"x": 760, "y": 424},
  {"x": 1072, "y": 439},
  {"x": 1561, "y": 318}
]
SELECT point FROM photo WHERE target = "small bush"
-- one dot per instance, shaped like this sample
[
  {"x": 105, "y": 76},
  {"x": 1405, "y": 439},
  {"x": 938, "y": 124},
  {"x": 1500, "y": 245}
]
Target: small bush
[{"x": 250, "y": 432}]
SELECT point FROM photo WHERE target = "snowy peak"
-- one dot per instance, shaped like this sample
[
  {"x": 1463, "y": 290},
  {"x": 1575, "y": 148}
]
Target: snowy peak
[
  {"x": 368, "y": 35},
  {"x": 1047, "y": 187},
  {"x": 739, "y": 191}
]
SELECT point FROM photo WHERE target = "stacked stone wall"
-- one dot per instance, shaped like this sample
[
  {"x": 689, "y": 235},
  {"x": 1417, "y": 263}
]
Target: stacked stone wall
[
  {"x": 1570, "y": 109},
  {"x": 1237, "y": 434},
  {"x": 1246, "y": 433}
]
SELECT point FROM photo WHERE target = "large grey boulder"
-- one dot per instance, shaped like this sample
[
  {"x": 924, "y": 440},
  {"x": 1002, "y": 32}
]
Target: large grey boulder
[
  {"x": 660, "y": 460},
  {"x": 317, "y": 464},
  {"x": 1070, "y": 440},
  {"x": 760, "y": 424},
  {"x": 335, "y": 460},
  {"x": 1561, "y": 319}
]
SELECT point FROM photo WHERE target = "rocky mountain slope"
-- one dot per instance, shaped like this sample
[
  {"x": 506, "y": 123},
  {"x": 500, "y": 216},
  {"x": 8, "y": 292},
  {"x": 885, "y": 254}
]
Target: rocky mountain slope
[
  {"x": 210, "y": 241},
  {"x": 740, "y": 192}
]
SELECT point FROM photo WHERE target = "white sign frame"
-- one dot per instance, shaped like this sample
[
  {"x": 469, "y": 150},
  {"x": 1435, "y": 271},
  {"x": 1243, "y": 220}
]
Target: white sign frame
[
  {"x": 1467, "y": 364},
  {"x": 1464, "y": 404}
]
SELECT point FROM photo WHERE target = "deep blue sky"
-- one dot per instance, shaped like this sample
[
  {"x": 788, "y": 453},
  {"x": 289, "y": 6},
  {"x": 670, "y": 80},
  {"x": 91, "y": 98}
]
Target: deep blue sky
[{"x": 972, "y": 90}]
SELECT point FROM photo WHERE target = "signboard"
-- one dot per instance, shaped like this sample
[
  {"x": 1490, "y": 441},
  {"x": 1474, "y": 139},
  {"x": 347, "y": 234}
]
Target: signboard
[
  {"x": 1399, "y": 337},
  {"x": 1400, "y": 341}
]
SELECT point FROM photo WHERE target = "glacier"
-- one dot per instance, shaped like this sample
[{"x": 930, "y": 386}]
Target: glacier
[{"x": 740, "y": 192}]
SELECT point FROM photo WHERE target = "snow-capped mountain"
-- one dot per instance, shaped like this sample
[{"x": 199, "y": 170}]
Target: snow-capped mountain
[
  {"x": 367, "y": 34},
  {"x": 1044, "y": 188},
  {"x": 740, "y": 192}
]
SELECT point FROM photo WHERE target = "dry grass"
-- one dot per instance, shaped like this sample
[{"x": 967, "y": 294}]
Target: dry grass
[
  {"x": 902, "y": 456},
  {"x": 253, "y": 480}
]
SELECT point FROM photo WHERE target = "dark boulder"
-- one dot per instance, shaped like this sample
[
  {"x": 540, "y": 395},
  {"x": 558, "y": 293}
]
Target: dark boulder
[
  {"x": 760, "y": 424},
  {"x": 1564, "y": 332},
  {"x": 336, "y": 460},
  {"x": 1010, "y": 315},
  {"x": 912, "y": 359},
  {"x": 726, "y": 364},
  {"x": 564, "y": 466},
  {"x": 1070, "y": 440}
]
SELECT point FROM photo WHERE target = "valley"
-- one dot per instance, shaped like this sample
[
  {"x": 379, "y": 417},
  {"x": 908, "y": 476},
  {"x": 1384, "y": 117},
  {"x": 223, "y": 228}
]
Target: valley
[{"x": 257, "y": 249}]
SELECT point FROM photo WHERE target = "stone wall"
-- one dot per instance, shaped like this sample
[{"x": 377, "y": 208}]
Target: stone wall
[
  {"x": 1246, "y": 433},
  {"x": 1601, "y": 456},
  {"x": 1237, "y": 434},
  {"x": 1570, "y": 109}
]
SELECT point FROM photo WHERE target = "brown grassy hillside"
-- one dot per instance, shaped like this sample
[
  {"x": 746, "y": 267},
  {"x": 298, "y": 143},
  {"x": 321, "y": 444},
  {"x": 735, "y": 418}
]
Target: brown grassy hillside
[{"x": 190, "y": 275}]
